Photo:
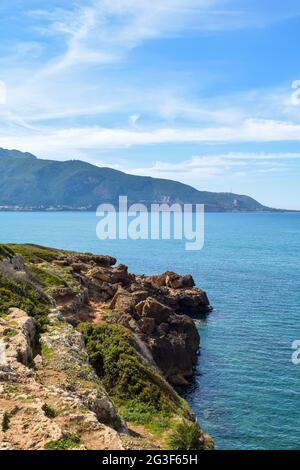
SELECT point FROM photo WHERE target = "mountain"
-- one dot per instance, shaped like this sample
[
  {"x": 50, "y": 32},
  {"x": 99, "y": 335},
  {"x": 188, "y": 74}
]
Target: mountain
[{"x": 27, "y": 182}]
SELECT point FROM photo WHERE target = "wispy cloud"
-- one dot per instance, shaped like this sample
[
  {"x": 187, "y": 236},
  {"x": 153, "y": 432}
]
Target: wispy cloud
[
  {"x": 200, "y": 169},
  {"x": 58, "y": 141},
  {"x": 62, "y": 100}
]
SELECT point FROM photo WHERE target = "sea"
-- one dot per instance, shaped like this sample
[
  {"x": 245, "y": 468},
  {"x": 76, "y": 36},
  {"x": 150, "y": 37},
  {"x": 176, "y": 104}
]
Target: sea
[{"x": 246, "y": 388}]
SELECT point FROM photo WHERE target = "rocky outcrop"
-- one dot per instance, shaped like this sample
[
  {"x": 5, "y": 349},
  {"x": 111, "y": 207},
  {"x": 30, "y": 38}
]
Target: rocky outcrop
[
  {"x": 56, "y": 395},
  {"x": 155, "y": 308},
  {"x": 63, "y": 352},
  {"x": 17, "y": 332},
  {"x": 68, "y": 402},
  {"x": 172, "y": 339},
  {"x": 172, "y": 280}
]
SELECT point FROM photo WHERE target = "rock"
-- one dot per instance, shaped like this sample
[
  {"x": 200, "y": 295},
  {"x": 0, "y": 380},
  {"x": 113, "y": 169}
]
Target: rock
[
  {"x": 147, "y": 325},
  {"x": 19, "y": 332},
  {"x": 125, "y": 301},
  {"x": 154, "y": 308},
  {"x": 65, "y": 354},
  {"x": 172, "y": 280},
  {"x": 98, "y": 260},
  {"x": 175, "y": 350},
  {"x": 151, "y": 308},
  {"x": 112, "y": 275},
  {"x": 193, "y": 302}
]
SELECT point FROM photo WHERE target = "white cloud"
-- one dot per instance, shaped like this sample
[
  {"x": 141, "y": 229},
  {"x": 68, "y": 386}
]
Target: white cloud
[
  {"x": 200, "y": 169},
  {"x": 59, "y": 141},
  {"x": 103, "y": 32}
]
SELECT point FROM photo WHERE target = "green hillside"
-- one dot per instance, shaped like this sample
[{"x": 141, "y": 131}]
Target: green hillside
[{"x": 31, "y": 183}]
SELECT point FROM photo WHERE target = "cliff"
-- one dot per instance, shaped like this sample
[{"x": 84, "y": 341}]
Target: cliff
[{"x": 89, "y": 353}]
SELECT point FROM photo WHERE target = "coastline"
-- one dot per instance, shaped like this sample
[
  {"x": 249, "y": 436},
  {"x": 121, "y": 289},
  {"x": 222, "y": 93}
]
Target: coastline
[{"x": 78, "y": 296}]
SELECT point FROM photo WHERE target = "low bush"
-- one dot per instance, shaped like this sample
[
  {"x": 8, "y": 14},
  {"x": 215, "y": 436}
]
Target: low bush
[
  {"x": 141, "y": 394},
  {"x": 35, "y": 253},
  {"x": 23, "y": 295},
  {"x": 5, "y": 421},
  {"x": 6, "y": 252},
  {"x": 67, "y": 441},
  {"x": 49, "y": 411},
  {"x": 186, "y": 436}
]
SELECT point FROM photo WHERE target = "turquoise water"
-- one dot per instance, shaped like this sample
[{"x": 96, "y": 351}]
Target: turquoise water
[{"x": 246, "y": 390}]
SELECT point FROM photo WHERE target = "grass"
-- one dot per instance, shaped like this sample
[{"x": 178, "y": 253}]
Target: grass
[
  {"x": 46, "y": 278},
  {"x": 47, "y": 353},
  {"x": 10, "y": 334},
  {"x": 23, "y": 295},
  {"x": 67, "y": 441},
  {"x": 186, "y": 436},
  {"x": 140, "y": 393},
  {"x": 6, "y": 252},
  {"x": 35, "y": 253}
]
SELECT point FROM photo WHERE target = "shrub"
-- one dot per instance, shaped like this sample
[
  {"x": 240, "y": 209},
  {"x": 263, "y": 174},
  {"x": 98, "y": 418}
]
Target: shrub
[
  {"x": 35, "y": 253},
  {"x": 10, "y": 334},
  {"x": 185, "y": 437},
  {"x": 23, "y": 295},
  {"x": 46, "y": 278},
  {"x": 49, "y": 411},
  {"x": 141, "y": 394},
  {"x": 67, "y": 441},
  {"x": 6, "y": 252},
  {"x": 5, "y": 421}
]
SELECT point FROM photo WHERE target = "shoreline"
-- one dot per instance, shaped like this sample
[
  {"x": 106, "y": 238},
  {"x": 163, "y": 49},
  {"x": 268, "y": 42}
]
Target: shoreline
[{"x": 78, "y": 295}]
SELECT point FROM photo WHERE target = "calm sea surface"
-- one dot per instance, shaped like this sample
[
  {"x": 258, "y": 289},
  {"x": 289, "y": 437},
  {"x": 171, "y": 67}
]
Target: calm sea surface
[{"x": 246, "y": 392}]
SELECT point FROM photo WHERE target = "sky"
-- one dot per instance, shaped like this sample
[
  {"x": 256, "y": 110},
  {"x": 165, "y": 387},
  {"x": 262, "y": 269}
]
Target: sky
[{"x": 206, "y": 92}]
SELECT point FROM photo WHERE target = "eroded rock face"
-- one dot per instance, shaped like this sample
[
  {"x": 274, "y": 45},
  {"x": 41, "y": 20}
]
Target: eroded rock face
[
  {"x": 64, "y": 353},
  {"x": 57, "y": 393},
  {"x": 172, "y": 280},
  {"x": 172, "y": 339},
  {"x": 17, "y": 332},
  {"x": 156, "y": 308}
]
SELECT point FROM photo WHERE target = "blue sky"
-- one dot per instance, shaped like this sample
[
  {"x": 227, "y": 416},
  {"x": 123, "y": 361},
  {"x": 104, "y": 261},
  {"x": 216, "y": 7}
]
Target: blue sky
[{"x": 200, "y": 91}]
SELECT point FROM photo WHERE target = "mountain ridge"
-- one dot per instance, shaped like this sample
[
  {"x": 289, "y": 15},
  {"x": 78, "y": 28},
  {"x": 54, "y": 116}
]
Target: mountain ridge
[{"x": 30, "y": 183}]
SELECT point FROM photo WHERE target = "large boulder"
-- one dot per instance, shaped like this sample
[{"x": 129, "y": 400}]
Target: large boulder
[
  {"x": 125, "y": 301},
  {"x": 175, "y": 348},
  {"x": 193, "y": 302},
  {"x": 151, "y": 308},
  {"x": 172, "y": 280}
]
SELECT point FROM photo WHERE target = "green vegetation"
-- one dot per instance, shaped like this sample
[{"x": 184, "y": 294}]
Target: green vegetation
[
  {"x": 23, "y": 295},
  {"x": 186, "y": 436},
  {"x": 46, "y": 278},
  {"x": 109, "y": 315},
  {"x": 49, "y": 411},
  {"x": 140, "y": 393},
  {"x": 5, "y": 252},
  {"x": 35, "y": 253},
  {"x": 10, "y": 334},
  {"x": 47, "y": 353},
  {"x": 33, "y": 182},
  {"x": 67, "y": 441},
  {"x": 5, "y": 421}
]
